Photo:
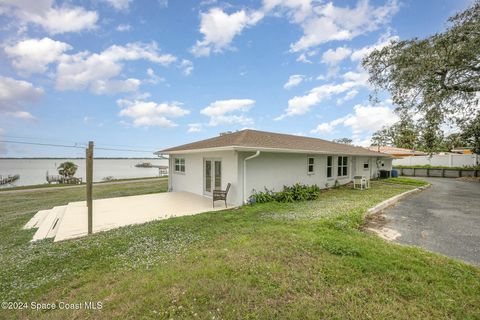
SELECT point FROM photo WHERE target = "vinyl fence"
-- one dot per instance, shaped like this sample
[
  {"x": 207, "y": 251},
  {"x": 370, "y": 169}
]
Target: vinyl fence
[
  {"x": 433, "y": 172},
  {"x": 448, "y": 160}
]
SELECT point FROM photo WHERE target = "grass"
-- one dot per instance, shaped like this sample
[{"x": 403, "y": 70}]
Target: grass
[
  {"x": 406, "y": 181},
  {"x": 304, "y": 260}
]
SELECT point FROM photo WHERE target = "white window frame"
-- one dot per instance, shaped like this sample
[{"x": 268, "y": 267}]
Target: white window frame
[
  {"x": 181, "y": 165},
  {"x": 329, "y": 167},
  {"x": 311, "y": 165},
  {"x": 366, "y": 165},
  {"x": 342, "y": 165}
]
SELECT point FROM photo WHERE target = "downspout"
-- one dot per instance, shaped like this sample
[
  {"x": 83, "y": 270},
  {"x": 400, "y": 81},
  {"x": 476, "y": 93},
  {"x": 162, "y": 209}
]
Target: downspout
[{"x": 245, "y": 175}]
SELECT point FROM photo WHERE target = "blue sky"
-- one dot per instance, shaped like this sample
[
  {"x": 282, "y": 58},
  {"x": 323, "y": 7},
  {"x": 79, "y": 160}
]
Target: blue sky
[{"x": 151, "y": 74}]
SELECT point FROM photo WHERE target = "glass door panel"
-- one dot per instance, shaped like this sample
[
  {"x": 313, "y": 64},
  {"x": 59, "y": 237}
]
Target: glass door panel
[
  {"x": 208, "y": 176},
  {"x": 218, "y": 175}
]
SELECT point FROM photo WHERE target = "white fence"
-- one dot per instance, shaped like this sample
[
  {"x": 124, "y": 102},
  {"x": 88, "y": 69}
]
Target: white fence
[{"x": 448, "y": 160}]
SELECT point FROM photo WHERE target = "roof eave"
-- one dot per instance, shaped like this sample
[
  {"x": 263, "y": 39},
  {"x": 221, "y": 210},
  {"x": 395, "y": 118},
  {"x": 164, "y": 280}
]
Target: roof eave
[{"x": 273, "y": 150}]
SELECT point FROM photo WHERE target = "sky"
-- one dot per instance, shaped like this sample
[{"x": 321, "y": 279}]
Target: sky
[{"x": 146, "y": 75}]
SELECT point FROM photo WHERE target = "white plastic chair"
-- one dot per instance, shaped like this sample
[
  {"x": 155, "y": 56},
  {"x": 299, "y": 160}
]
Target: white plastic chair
[{"x": 361, "y": 181}]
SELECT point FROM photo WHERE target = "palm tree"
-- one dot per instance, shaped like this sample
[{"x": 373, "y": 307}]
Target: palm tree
[{"x": 67, "y": 169}]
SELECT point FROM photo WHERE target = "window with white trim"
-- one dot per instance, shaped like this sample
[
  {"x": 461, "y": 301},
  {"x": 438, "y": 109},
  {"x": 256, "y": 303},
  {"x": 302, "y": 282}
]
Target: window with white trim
[
  {"x": 342, "y": 170},
  {"x": 180, "y": 165},
  {"x": 311, "y": 163},
  {"x": 365, "y": 165},
  {"x": 329, "y": 166}
]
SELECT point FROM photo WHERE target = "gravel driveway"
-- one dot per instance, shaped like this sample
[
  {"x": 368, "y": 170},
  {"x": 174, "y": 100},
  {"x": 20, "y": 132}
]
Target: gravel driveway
[{"x": 445, "y": 218}]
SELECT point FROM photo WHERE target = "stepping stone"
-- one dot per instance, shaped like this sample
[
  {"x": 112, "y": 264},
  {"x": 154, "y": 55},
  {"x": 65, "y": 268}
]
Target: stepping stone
[
  {"x": 49, "y": 222},
  {"x": 36, "y": 220},
  {"x": 56, "y": 224}
]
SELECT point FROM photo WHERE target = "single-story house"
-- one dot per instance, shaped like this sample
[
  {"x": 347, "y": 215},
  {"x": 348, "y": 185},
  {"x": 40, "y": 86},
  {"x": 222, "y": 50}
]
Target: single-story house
[{"x": 255, "y": 160}]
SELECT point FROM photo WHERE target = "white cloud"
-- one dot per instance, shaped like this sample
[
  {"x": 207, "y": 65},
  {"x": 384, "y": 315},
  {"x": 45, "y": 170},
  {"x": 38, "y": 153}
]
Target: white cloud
[
  {"x": 53, "y": 19},
  {"x": 15, "y": 93},
  {"x": 299, "y": 105},
  {"x": 219, "y": 28},
  {"x": 194, "y": 127},
  {"x": 119, "y": 4},
  {"x": 153, "y": 78},
  {"x": 96, "y": 70},
  {"x": 384, "y": 41},
  {"x": 303, "y": 58},
  {"x": 326, "y": 22},
  {"x": 365, "y": 119},
  {"x": 230, "y": 111},
  {"x": 115, "y": 86},
  {"x": 149, "y": 113},
  {"x": 24, "y": 115},
  {"x": 186, "y": 66},
  {"x": 321, "y": 22},
  {"x": 293, "y": 81},
  {"x": 296, "y": 10},
  {"x": 34, "y": 55},
  {"x": 124, "y": 28},
  {"x": 328, "y": 127},
  {"x": 333, "y": 57},
  {"x": 349, "y": 96},
  {"x": 370, "y": 118},
  {"x": 163, "y": 3}
]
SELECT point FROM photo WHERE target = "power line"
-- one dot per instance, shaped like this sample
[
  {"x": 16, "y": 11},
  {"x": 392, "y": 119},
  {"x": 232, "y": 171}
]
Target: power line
[
  {"x": 80, "y": 143},
  {"x": 73, "y": 146},
  {"x": 43, "y": 144}
]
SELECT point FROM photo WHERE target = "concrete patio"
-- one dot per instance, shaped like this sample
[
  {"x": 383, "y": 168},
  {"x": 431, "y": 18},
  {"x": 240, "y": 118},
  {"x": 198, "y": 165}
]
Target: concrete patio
[{"x": 70, "y": 221}]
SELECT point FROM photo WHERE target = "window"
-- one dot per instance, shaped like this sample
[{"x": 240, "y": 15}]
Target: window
[
  {"x": 329, "y": 166},
  {"x": 342, "y": 166},
  {"x": 311, "y": 162},
  {"x": 179, "y": 164},
  {"x": 365, "y": 165}
]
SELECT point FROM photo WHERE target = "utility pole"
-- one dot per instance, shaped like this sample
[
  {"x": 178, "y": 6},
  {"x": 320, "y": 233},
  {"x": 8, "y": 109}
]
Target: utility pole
[{"x": 89, "y": 175}]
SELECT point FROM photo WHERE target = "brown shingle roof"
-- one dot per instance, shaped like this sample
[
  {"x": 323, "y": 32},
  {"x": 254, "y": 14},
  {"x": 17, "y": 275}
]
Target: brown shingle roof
[{"x": 269, "y": 140}]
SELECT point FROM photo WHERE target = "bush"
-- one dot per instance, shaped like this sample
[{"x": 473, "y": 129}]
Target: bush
[{"x": 297, "y": 192}]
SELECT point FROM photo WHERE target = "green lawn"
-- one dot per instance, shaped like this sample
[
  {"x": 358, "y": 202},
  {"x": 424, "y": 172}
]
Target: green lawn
[
  {"x": 301, "y": 261},
  {"x": 406, "y": 181}
]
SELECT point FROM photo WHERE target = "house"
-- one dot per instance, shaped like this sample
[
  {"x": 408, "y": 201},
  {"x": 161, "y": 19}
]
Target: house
[
  {"x": 254, "y": 160},
  {"x": 462, "y": 150},
  {"x": 398, "y": 152}
]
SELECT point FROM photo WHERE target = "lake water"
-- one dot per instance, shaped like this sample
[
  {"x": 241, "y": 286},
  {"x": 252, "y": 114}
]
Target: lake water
[{"x": 33, "y": 171}]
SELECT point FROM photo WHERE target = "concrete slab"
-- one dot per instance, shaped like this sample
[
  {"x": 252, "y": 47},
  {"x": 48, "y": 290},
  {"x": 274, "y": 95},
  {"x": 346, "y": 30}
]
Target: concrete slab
[
  {"x": 60, "y": 211},
  {"x": 36, "y": 220},
  {"x": 46, "y": 225},
  {"x": 117, "y": 212}
]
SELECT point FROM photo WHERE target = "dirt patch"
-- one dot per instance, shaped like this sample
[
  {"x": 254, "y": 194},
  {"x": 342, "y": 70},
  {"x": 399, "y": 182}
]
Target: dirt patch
[{"x": 375, "y": 224}]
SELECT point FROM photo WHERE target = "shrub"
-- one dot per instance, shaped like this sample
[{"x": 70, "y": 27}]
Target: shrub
[{"x": 297, "y": 192}]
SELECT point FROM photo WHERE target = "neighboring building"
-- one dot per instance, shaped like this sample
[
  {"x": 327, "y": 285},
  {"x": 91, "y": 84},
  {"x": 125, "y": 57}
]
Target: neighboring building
[
  {"x": 255, "y": 160},
  {"x": 397, "y": 152},
  {"x": 463, "y": 150}
]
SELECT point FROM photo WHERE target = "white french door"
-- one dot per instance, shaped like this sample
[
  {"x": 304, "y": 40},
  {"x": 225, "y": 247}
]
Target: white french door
[{"x": 212, "y": 175}]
